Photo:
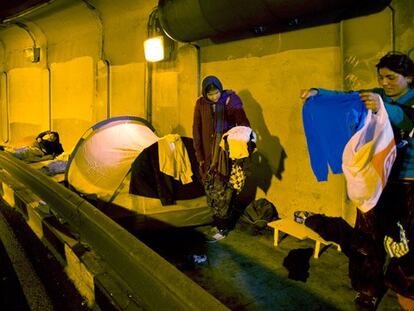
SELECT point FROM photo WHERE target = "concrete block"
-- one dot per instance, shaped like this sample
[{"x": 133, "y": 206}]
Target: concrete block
[{"x": 80, "y": 275}]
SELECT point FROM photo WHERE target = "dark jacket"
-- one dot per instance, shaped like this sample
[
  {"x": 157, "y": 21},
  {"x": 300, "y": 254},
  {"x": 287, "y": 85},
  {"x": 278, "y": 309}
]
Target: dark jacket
[
  {"x": 204, "y": 121},
  {"x": 147, "y": 180}
]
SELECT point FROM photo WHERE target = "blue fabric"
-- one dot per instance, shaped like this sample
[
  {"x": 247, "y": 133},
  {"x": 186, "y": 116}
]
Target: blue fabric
[
  {"x": 330, "y": 119},
  {"x": 400, "y": 121}
]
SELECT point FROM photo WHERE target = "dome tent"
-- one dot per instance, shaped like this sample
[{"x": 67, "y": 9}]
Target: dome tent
[
  {"x": 100, "y": 166},
  {"x": 103, "y": 155}
]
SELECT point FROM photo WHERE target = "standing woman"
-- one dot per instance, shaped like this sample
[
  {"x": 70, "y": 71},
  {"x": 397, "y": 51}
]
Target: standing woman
[
  {"x": 395, "y": 210},
  {"x": 215, "y": 112}
]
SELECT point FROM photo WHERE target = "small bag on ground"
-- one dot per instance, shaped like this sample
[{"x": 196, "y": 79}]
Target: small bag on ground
[{"x": 258, "y": 213}]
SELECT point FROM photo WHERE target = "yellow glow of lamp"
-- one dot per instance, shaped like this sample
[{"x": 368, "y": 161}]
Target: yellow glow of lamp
[
  {"x": 32, "y": 54},
  {"x": 154, "y": 49}
]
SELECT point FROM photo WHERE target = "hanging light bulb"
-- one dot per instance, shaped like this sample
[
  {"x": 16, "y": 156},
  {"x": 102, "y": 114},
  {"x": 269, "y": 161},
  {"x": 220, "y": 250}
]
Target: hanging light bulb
[
  {"x": 32, "y": 54},
  {"x": 154, "y": 49}
]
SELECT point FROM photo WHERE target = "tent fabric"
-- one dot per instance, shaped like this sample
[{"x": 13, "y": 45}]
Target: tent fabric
[
  {"x": 183, "y": 213},
  {"x": 103, "y": 156},
  {"x": 100, "y": 165}
]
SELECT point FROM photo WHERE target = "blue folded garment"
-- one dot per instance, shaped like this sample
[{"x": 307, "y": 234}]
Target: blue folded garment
[{"x": 329, "y": 121}]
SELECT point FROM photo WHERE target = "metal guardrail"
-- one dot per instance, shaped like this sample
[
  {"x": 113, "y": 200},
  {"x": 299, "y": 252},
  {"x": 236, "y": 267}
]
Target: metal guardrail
[{"x": 156, "y": 284}]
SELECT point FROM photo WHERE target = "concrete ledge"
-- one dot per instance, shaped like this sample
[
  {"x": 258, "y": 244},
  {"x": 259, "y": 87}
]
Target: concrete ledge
[
  {"x": 83, "y": 266},
  {"x": 9, "y": 185}
]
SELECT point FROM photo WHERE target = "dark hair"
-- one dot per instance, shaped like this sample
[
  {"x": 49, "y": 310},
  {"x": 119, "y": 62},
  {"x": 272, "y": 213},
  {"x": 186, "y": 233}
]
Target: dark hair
[
  {"x": 399, "y": 63},
  {"x": 211, "y": 87}
]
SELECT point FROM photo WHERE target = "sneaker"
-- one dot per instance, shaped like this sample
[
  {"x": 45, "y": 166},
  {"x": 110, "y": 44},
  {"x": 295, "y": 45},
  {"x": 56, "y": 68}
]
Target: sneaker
[
  {"x": 216, "y": 235},
  {"x": 365, "y": 302},
  {"x": 300, "y": 216},
  {"x": 199, "y": 259}
]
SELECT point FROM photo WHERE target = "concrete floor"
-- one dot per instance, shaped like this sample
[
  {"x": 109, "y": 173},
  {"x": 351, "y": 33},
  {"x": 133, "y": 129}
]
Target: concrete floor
[
  {"x": 11, "y": 294},
  {"x": 246, "y": 272}
]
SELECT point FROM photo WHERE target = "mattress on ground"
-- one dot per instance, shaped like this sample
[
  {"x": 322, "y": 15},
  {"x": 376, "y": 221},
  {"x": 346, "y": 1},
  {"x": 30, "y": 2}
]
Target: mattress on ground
[
  {"x": 190, "y": 212},
  {"x": 48, "y": 167}
]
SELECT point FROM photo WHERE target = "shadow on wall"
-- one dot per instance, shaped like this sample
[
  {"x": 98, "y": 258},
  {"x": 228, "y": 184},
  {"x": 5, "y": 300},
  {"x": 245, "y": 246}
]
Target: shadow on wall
[{"x": 269, "y": 158}]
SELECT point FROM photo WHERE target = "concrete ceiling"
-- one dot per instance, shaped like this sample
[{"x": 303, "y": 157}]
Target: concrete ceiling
[{"x": 11, "y": 8}]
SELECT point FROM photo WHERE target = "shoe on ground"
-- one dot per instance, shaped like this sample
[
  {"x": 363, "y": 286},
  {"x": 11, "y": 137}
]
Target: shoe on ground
[
  {"x": 365, "y": 302},
  {"x": 200, "y": 259},
  {"x": 216, "y": 235}
]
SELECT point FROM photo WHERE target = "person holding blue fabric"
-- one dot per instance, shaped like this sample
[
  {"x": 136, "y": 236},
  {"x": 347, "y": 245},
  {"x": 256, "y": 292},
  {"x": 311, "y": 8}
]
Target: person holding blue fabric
[
  {"x": 388, "y": 228},
  {"x": 215, "y": 112}
]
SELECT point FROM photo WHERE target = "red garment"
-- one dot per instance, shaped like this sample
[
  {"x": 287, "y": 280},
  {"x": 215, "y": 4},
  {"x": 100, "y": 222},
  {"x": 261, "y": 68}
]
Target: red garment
[{"x": 204, "y": 123}]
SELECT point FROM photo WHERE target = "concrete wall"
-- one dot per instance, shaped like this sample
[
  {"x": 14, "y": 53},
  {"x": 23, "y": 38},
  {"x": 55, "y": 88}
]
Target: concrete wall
[{"x": 92, "y": 67}]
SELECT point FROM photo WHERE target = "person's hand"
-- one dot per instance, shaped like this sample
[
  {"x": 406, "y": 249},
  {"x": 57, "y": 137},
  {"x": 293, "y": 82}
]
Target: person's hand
[
  {"x": 305, "y": 94},
  {"x": 371, "y": 100}
]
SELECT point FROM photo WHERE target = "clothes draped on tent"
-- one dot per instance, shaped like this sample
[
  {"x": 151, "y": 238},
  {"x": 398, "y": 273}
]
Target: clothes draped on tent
[
  {"x": 148, "y": 180},
  {"x": 116, "y": 164},
  {"x": 173, "y": 158}
]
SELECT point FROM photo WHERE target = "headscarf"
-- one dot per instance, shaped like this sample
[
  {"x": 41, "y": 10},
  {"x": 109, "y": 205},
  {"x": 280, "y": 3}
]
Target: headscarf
[{"x": 210, "y": 80}]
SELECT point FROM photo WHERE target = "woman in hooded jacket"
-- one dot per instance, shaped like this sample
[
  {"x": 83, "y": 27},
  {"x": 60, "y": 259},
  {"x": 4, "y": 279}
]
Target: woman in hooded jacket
[{"x": 215, "y": 112}]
